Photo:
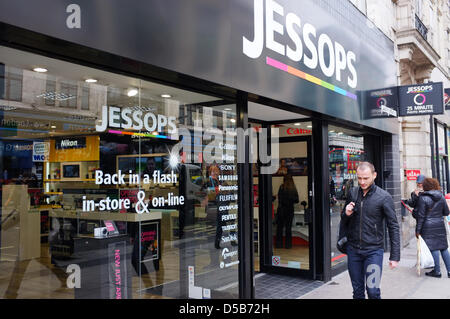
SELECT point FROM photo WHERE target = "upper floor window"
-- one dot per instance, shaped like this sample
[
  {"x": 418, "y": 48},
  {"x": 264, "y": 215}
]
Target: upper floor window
[{"x": 10, "y": 83}]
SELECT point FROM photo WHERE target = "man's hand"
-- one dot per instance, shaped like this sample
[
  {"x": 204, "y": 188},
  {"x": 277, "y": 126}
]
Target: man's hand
[
  {"x": 393, "y": 264},
  {"x": 349, "y": 208}
]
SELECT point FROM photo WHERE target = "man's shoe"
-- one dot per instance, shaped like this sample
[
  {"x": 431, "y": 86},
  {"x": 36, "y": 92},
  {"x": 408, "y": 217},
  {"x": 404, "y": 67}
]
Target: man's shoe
[{"x": 433, "y": 274}]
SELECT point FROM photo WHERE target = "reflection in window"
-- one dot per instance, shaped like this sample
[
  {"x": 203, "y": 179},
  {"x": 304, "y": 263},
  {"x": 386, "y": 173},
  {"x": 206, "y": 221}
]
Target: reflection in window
[
  {"x": 346, "y": 151},
  {"x": 12, "y": 83}
]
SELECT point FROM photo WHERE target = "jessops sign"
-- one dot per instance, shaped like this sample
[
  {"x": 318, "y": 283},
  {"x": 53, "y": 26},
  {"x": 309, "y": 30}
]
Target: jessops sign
[
  {"x": 305, "y": 45},
  {"x": 424, "y": 99},
  {"x": 296, "y": 52}
]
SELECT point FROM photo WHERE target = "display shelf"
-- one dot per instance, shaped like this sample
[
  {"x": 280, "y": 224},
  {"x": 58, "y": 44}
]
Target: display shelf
[{"x": 65, "y": 181}]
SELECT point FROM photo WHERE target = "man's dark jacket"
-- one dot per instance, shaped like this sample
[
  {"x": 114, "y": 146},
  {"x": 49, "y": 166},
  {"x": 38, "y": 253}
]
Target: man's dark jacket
[{"x": 365, "y": 225}]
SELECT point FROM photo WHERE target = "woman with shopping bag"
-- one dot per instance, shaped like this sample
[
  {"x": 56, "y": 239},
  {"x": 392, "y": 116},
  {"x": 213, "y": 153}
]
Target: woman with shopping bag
[{"x": 430, "y": 224}]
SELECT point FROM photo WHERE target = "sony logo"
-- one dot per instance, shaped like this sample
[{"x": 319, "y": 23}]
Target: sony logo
[{"x": 315, "y": 50}]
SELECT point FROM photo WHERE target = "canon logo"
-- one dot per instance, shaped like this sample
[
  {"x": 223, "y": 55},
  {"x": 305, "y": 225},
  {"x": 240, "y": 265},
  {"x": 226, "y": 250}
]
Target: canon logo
[
  {"x": 297, "y": 131},
  {"x": 315, "y": 50}
]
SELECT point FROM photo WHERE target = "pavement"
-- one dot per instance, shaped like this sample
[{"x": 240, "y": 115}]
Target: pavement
[{"x": 402, "y": 282}]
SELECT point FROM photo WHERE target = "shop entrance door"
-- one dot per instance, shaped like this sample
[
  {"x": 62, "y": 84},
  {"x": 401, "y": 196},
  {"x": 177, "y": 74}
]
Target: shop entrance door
[{"x": 284, "y": 210}]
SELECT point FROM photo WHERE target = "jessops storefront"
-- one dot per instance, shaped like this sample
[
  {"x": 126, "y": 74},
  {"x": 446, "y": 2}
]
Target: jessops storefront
[{"x": 143, "y": 146}]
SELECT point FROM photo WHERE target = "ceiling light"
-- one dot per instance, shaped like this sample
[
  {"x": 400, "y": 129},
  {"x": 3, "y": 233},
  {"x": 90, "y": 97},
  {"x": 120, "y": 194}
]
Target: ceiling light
[
  {"x": 40, "y": 70},
  {"x": 132, "y": 92},
  {"x": 309, "y": 126},
  {"x": 340, "y": 133},
  {"x": 166, "y": 96},
  {"x": 53, "y": 126},
  {"x": 232, "y": 120},
  {"x": 227, "y": 109},
  {"x": 90, "y": 80},
  {"x": 297, "y": 124},
  {"x": 331, "y": 131}
]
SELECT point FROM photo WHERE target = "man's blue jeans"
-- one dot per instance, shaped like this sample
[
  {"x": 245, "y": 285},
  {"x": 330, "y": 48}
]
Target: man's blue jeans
[
  {"x": 445, "y": 256},
  {"x": 365, "y": 267}
]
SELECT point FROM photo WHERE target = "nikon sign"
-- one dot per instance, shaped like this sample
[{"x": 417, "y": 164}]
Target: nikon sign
[
  {"x": 426, "y": 99},
  {"x": 69, "y": 143}
]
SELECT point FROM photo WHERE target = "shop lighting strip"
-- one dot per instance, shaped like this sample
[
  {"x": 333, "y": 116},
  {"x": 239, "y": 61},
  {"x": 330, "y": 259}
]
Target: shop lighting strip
[
  {"x": 138, "y": 134},
  {"x": 308, "y": 77}
]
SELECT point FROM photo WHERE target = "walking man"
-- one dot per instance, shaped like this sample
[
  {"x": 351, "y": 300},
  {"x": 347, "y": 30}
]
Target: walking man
[{"x": 363, "y": 216}]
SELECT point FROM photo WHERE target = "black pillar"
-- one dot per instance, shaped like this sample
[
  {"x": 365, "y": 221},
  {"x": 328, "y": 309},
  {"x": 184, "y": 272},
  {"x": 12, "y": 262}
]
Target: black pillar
[{"x": 245, "y": 232}]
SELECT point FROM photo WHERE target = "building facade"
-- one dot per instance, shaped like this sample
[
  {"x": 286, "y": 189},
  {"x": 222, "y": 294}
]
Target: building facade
[
  {"x": 143, "y": 146},
  {"x": 420, "y": 30}
]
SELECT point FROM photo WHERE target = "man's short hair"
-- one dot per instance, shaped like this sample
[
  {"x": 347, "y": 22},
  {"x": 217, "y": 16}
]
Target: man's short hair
[{"x": 366, "y": 165}]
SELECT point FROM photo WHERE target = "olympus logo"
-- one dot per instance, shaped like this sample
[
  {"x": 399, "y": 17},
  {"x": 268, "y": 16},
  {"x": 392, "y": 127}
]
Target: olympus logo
[
  {"x": 226, "y": 253},
  {"x": 316, "y": 50}
]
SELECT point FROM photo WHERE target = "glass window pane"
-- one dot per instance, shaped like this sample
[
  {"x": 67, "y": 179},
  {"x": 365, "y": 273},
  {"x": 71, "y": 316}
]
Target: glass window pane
[{"x": 137, "y": 196}]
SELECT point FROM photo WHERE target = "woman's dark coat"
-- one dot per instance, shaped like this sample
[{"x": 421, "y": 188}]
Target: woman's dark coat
[{"x": 431, "y": 208}]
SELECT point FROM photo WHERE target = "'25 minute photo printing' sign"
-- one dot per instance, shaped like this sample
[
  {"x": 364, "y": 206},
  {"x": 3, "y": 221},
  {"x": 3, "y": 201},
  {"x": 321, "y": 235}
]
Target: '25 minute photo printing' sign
[{"x": 425, "y": 99}]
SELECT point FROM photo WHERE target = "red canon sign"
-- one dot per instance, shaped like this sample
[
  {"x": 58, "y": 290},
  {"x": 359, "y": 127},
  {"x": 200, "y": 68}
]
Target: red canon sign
[{"x": 297, "y": 131}]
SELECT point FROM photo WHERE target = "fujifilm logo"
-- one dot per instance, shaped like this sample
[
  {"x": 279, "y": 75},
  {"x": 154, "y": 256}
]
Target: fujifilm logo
[{"x": 304, "y": 43}]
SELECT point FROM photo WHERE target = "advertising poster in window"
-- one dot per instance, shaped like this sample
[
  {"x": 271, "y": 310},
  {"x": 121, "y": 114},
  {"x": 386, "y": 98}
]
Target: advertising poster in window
[
  {"x": 117, "y": 270},
  {"x": 425, "y": 99},
  {"x": 447, "y": 99},
  {"x": 149, "y": 241}
]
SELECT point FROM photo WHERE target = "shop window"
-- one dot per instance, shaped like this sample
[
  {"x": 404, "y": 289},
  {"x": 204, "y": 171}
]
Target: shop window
[
  {"x": 12, "y": 83},
  {"x": 346, "y": 150},
  {"x": 85, "y": 98},
  {"x": 68, "y": 94},
  {"x": 136, "y": 200}
]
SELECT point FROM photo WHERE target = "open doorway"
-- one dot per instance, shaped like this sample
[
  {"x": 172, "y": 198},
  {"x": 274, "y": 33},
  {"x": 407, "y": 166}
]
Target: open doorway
[{"x": 282, "y": 204}]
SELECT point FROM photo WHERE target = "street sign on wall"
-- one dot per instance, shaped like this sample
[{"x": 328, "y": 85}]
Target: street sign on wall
[
  {"x": 411, "y": 174},
  {"x": 421, "y": 99}
]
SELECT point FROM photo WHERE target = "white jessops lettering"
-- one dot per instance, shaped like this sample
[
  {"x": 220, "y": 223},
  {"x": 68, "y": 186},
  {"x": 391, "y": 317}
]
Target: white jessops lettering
[
  {"x": 291, "y": 21},
  {"x": 128, "y": 118},
  {"x": 316, "y": 50},
  {"x": 272, "y": 26}
]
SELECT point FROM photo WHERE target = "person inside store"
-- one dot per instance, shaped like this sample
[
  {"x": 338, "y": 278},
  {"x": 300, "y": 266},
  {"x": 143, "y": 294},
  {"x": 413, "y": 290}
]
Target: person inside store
[
  {"x": 287, "y": 197},
  {"x": 431, "y": 208},
  {"x": 412, "y": 202},
  {"x": 282, "y": 170},
  {"x": 363, "y": 215},
  {"x": 332, "y": 192}
]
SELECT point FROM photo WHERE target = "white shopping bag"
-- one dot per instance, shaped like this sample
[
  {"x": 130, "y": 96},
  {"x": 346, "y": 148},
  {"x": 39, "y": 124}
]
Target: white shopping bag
[{"x": 424, "y": 257}]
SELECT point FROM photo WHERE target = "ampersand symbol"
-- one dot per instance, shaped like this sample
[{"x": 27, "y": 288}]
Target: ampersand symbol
[{"x": 141, "y": 207}]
